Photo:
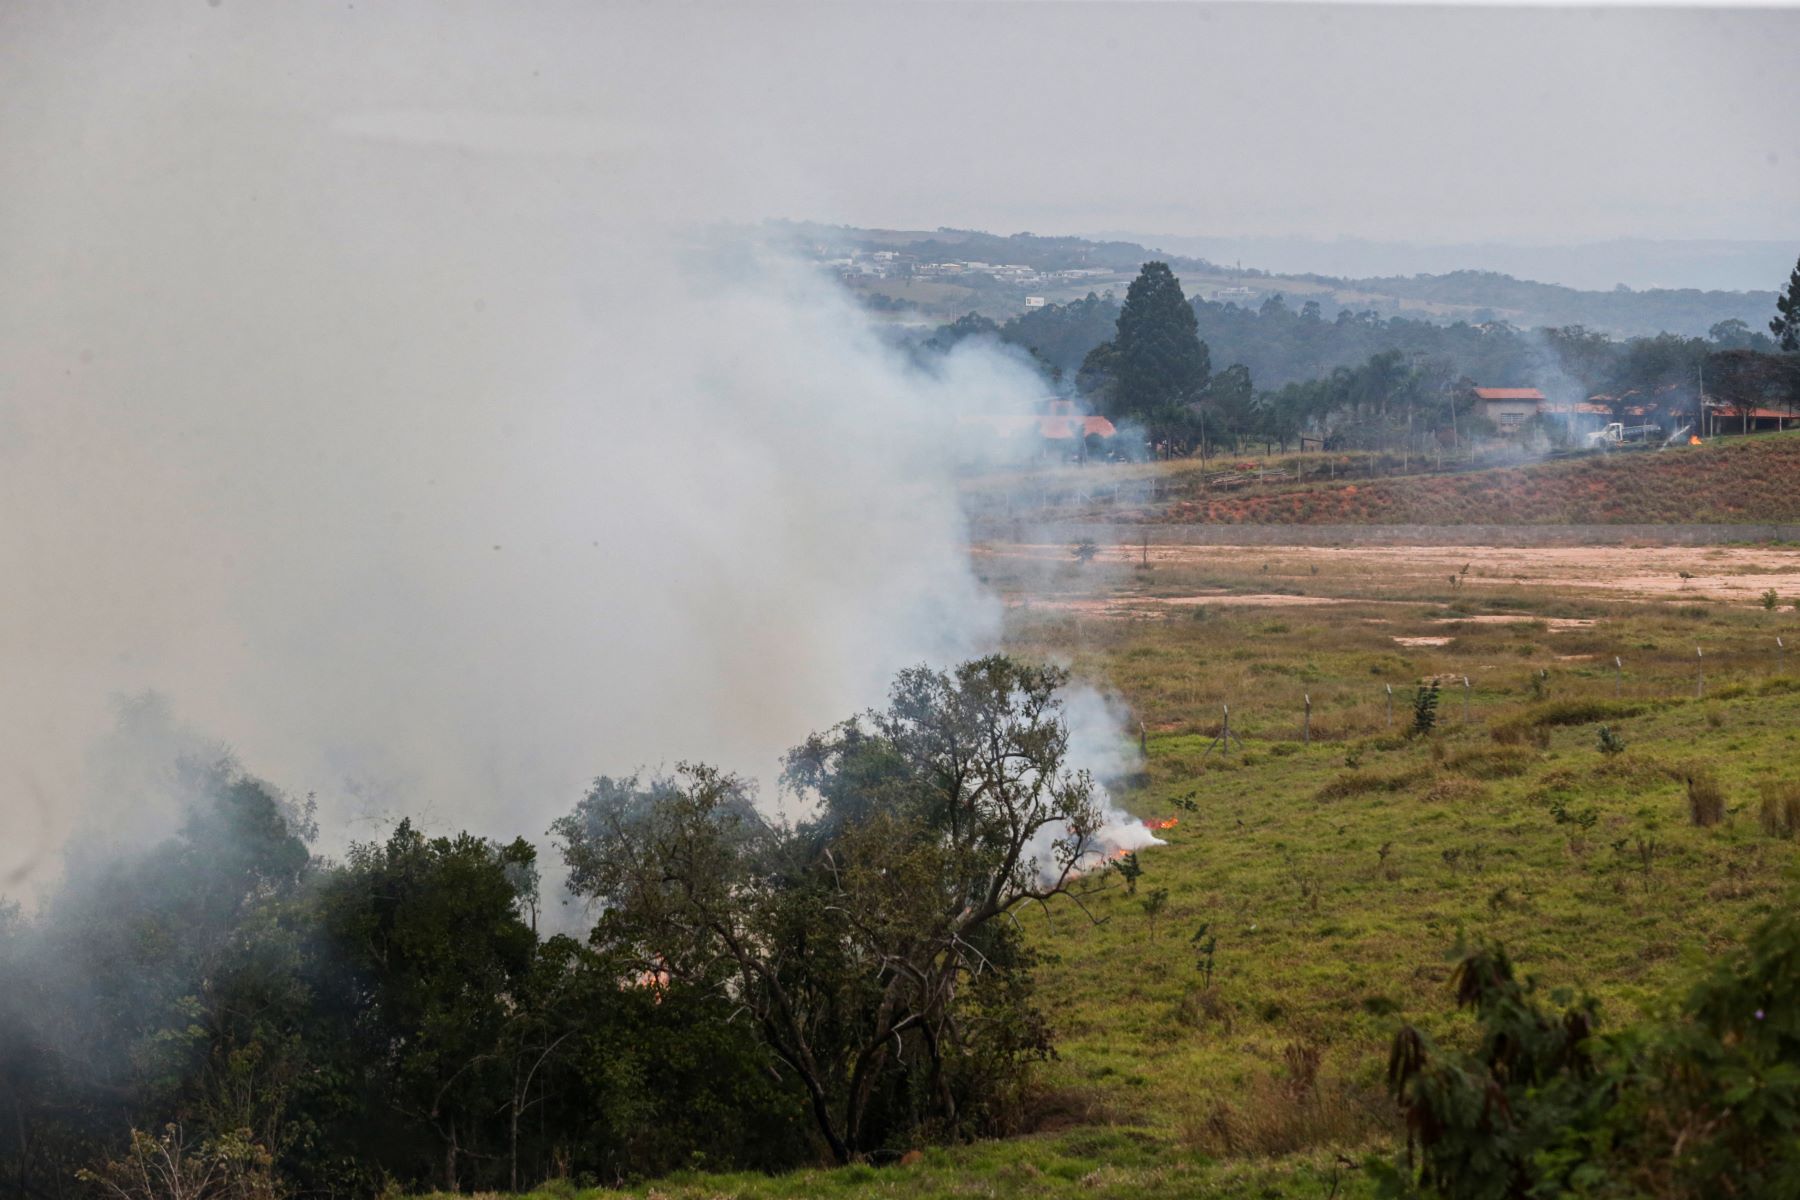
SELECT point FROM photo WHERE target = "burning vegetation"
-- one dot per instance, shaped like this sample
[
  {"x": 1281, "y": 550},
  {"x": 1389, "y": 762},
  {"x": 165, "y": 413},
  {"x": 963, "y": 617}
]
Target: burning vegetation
[{"x": 755, "y": 989}]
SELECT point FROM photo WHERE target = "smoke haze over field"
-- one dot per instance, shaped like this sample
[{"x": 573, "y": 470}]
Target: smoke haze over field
[
  {"x": 363, "y": 390},
  {"x": 417, "y": 457}
]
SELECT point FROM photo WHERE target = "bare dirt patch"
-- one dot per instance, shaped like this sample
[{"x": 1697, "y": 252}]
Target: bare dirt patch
[
  {"x": 1553, "y": 624},
  {"x": 1738, "y": 574}
]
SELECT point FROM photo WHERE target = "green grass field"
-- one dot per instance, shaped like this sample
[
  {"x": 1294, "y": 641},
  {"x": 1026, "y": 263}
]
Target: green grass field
[{"x": 1337, "y": 876}]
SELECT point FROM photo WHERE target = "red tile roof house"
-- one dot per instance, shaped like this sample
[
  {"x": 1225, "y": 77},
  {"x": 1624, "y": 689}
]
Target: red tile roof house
[{"x": 1509, "y": 408}]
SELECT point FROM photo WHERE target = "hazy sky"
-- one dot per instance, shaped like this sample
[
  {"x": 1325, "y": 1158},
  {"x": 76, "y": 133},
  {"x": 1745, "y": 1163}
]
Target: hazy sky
[{"x": 1413, "y": 122}]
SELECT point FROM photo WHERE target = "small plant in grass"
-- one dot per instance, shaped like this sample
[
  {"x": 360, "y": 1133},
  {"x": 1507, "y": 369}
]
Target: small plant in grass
[
  {"x": 1154, "y": 905},
  {"x": 1206, "y": 945},
  {"x": 1583, "y": 818},
  {"x": 1085, "y": 551},
  {"x": 1306, "y": 884},
  {"x": 1540, "y": 685},
  {"x": 1706, "y": 800},
  {"x": 1353, "y": 758},
  {"x": 1770, "y": 600},
  {"x": 1130, "y": 870},
  {"x": 1610, "y": 742}
]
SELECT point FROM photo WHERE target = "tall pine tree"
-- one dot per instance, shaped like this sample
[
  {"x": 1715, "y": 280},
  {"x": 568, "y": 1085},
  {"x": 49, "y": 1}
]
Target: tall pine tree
[
  {"x": 1786, "y": 325},
  {"x": 1156, "y": 361}
]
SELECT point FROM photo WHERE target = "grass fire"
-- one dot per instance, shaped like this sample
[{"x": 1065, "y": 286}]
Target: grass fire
[{"x": 663, "y": 602}]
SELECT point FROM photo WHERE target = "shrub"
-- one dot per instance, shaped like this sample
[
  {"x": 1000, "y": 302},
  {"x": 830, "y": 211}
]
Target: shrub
[
  {"x": 1704, "y": 1104},
  {"x": 1770, "y": 600},
  {"x": 1425, "y": 705},
  {"x": 1300, "y": 1109},
  {"x": 232, "y": 1167},
  {"x": 1358, "y": 783},
  {"x": 1706, "y": 800},
  {"x": 1491, "y": 762},
  {"x": 1130, "y": 870},
  {"x": 1610, "y": 742},
  {"x": 1779, "y": 814},
  {"x": 1563, "y": 713},
  {"x": 1200, "y": 1006},
  {"x": 1451, "y": 790}
]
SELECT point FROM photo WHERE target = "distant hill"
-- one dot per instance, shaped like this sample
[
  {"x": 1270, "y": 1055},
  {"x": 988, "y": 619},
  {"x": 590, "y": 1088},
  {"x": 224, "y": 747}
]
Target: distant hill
[
  {"x": 1639, "y": 263},
  {"x": 1068, "y": 267}
]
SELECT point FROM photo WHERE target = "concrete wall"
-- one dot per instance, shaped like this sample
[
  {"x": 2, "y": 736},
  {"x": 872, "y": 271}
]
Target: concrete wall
[{"x": 1384, "y": 535}]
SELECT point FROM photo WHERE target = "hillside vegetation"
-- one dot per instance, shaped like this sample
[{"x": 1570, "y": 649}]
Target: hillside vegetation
[
  {"x": 1456, "y": 295},
  {"x": 1223, "y": 1021},
  {"x": 1746, "y": 480}
]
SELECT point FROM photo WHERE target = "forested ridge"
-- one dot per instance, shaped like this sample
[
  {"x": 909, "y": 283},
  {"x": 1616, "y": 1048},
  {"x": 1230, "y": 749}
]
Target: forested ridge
[{"x": 1187, "y": 371}]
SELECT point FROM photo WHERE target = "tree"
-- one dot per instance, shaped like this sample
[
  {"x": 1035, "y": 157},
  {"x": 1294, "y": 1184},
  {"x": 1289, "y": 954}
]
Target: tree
[
  {"x": 1733, "y": 334},
  {"x": 870, "y": 943},
  {"x": 1230, "y": 402},
  {"x": 429, "y": 935},
  {"x": 1786, "y": 323},
  {"x": 1745, "y": 380},
  {"x": 1156, "y": 363}
]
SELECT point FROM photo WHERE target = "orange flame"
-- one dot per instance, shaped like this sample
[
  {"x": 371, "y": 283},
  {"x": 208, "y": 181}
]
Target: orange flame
[
  {"x": 1693, "y": 439},
  {"x": 1167, "y": 823},
  {"x": 657, "y": 981}
]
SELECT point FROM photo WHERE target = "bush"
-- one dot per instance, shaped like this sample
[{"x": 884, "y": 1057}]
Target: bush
[
  {"x": 1705, "y": 1103},
  {"x": 1779, "y": 814},
  {"x": 1492, "y": 763},
  {"x": 1358, "y": 783},
  {"x": 1298, "y": 1110},
  {"x": 1706, "y": 800},
  {"x": 1562, "y": 713},
  {"x": 1425, "y": 705},
  {"x": 233, "y": 1167}
]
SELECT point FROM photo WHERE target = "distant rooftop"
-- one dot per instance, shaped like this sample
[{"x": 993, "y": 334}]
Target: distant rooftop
[{"x": 1509, "y": 393}]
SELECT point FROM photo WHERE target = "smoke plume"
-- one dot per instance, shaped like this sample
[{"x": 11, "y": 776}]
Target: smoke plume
[{"x": 407, "y": 448}]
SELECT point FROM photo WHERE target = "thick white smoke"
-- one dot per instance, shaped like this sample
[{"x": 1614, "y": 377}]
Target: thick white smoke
[{"x": 412, "y": 455}]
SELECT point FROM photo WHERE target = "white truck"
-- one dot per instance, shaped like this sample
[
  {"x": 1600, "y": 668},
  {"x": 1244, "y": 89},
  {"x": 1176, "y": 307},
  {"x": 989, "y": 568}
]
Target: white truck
[{"x": 1620, "y": 434}]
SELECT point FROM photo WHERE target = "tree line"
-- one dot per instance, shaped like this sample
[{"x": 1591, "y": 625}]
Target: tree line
[
  {"x": 1358, "y": 380},
  {"x": 755, "y": 993}
]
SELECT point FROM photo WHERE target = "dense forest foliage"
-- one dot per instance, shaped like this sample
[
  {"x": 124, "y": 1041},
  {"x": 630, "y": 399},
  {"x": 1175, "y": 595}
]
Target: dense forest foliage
[{"x": 228, "y": 1004}]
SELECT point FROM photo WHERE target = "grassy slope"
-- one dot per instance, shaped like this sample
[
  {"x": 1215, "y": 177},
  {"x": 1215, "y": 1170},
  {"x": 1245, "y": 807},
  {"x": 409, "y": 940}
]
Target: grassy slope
[
  {"x": 1724, "y": 482},
  {"x": 1750, "y": 479},
  {"x": 1326, "y": 941}
]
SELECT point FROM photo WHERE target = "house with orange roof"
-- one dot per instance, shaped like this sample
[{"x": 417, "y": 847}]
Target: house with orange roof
[{"x": 1509, "y": 408}]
